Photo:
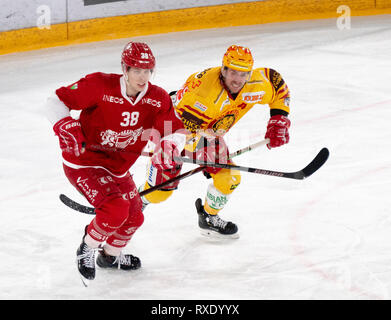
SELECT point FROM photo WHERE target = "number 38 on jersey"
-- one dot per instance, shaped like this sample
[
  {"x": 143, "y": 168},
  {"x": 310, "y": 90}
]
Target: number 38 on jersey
[{"x": 129, "y": 118}]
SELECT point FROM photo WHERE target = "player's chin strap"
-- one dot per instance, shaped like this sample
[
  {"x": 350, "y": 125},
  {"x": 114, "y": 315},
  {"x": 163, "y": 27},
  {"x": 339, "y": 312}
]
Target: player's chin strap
[{"x": 90, "y": 210}]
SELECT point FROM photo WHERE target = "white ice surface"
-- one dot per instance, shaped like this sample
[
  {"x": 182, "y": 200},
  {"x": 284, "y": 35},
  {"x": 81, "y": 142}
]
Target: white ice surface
[{"x": 327, "y": 237}]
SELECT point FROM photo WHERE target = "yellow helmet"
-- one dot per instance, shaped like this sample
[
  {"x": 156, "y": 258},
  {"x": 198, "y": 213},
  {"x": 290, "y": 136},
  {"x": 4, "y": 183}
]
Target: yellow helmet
[{"x": 238, "y": 58}]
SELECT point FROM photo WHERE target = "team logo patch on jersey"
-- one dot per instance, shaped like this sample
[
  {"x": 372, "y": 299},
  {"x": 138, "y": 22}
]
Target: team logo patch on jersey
[
  {"x": 224, "y": 124},
  {"x": 253, "y": 97},
  {"x": 120, "y": 140}
]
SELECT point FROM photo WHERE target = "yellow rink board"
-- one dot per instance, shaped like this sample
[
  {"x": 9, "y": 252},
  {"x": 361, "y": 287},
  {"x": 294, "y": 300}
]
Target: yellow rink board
[{"x": 238, "y": 14}]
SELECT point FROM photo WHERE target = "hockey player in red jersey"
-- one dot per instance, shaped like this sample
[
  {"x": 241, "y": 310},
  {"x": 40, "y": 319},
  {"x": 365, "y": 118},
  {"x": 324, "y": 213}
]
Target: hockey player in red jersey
[{"x": 119, "y": 113}]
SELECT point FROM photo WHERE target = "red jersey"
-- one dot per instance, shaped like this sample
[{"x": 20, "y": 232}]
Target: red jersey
[{"x": 113, "y": 124}]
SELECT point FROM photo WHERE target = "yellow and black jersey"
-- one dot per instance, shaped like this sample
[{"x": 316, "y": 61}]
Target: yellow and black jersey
[{"x": 204, "y": 103}]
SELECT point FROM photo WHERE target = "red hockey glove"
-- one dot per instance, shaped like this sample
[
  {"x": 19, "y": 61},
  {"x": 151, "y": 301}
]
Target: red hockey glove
[
  {"x": 214, "y": 150},
  {"x": 277, "y": 131},
  {"x": 163, "y": 157},
  {"x": 157, "y": 176},
  {"x": 70, "y": 135}
]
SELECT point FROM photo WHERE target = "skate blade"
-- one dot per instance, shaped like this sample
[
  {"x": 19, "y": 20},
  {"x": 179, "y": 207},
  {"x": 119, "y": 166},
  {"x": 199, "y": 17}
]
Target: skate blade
[
  {"x": 85, "y": 281},
  {"x": 215, "y": 235}
]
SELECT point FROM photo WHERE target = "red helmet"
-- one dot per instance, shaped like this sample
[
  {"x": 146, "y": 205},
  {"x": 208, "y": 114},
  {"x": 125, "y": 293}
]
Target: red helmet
[{"x": 138, "y": 55}]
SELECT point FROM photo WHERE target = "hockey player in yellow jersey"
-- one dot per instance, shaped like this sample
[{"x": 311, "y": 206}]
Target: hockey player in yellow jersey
[{"x": 210, "y": 103}]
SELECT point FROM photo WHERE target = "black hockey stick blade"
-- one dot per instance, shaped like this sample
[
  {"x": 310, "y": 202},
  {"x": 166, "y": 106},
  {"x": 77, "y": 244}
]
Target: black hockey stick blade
[
  {"x": 315, "y": 164},
  {"x": 76, "y": 206},
  {"x": 312, "y": 167}
]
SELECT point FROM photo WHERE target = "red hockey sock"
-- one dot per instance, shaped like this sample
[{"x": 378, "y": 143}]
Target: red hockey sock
[
  {"x": 122, "y": 235},
  {"x": 110, "y": 216}
]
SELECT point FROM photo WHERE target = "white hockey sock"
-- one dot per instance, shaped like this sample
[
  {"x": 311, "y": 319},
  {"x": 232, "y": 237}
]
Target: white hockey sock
[
  {"x": 91, "y": 242},
  {"x": 216, "y": 199}
]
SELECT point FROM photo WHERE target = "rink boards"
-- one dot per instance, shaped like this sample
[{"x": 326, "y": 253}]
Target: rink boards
[{"x": 50, "y": 32}]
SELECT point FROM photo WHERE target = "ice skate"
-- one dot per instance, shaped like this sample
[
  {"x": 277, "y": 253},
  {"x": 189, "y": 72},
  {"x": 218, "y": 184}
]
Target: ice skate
[
  {"x": 86, "y": 262},
  {"x": 123, "y": 261},
  {"x": 213, "y": 226}
]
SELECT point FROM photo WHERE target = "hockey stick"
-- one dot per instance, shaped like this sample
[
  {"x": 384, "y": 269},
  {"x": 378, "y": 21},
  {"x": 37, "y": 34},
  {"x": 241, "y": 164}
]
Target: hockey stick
[
  {"x": 249, "y": 148},
  {"x": 90, "y": 210},
  {"x": 313, "y": 166}
]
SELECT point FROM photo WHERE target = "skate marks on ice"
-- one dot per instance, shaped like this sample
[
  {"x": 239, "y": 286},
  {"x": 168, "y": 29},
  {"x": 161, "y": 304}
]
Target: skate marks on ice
[
  {"x": 336, "y": 249},
  {"x": 324, "y": 258}
]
